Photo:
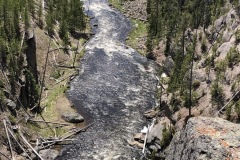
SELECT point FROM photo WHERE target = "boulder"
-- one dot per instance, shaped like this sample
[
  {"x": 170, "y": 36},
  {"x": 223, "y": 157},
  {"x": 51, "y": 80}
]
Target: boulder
[
  {"x": 224, "y": 49},
  {"x": 218, "y": 24},
  {"x": 151, "y": 113},
  {"x": 168, "y": 64},
  {"x": 72, "y": 117},
  {"x": 199, "y": 74},
  {"x": 48, "y": 154},
  {"x": 18, "y": 157},
  {"x": 155, "y": 134},
  {"x": 154, "y": 137},
  {"x": 205, "y": 138},
  {"x": 11, "y": 104},
  {"x": 29, "y": 34},
  {"x": 140, "y": 137},
  {"x": 227, "y": 35},
  {"x": 136, "y": 143}
]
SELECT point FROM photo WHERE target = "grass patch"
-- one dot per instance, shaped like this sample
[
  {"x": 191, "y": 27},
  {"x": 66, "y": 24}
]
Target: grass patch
[
  {"x": 53, "y": 109},
  {"x": 139, "y": 30},
  {"x": 116, "y": 4}
]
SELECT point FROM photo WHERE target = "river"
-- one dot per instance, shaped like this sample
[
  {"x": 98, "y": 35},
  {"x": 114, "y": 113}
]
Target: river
[{"x": 114, "y": 87}]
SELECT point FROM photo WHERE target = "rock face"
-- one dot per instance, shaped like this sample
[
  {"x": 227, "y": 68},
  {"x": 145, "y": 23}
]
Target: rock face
[
  {"x": 206, "y": 138},
  {"x": 48, "y": 154},
  {"x": 31, "y": 53},
  {"x": 135, "y": 9},
  {"x": 72, "y": 117},
  {"x": 154, "y": 138}
]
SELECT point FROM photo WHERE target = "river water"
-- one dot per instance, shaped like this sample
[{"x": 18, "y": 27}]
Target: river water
[{"x": 114, "y": 87}]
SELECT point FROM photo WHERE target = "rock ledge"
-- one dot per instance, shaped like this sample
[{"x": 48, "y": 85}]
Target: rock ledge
[{"x": 206, "y": 138}]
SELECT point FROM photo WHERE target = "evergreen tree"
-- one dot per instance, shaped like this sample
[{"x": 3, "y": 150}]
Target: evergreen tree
[
  {"x": 40, "y": 14},
  {"x": 76, "y": 16}
]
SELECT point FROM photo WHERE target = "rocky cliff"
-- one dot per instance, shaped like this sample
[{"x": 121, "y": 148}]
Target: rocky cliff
[{"x": 206, "y": 138}]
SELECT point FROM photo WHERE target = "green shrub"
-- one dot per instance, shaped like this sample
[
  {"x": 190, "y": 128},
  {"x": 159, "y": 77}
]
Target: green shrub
[
  {"x": 210, "y": 61},
  {"x": 237, "y": 108},
  {"x": 1, "y": 84},
  {"x": 220, "y": 69},
  {"x": 2, "y": 96},
  {"x": 186, "y": 99},
  {"x": 221, "y": 66},
  {"x": 166, "y": 137},
  {"x": 196, "y": 84},
  {"x": 204, "y": 46},
  {"x": 233, "y": 87},
  {"x": 228, "y": 112},
  {"x": 56, "y": 74},
  {"x": 237, "y": 34},
  {"x": 214, "y": 48},
  {"x": 233, "y": 57},
  {"x": 217, "y": 94},
  {"x": 175, "y": 103},
  {"x": 200, "y": 36}
]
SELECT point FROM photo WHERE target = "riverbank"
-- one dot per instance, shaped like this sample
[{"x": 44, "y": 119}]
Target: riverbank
[
  {"x": 136, "y": 12},
  {"x": 60, "y": 69}
]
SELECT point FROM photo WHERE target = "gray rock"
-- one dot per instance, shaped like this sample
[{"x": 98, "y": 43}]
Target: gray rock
[
  {"x": 156, "y": 133},
  {"x": 29, "y": 34},
  {"x": 48, "y": 154},
  {"x": 72, "y": 117},
  {"x": 227, "y": 35},
  {"x": 151, "y": 113},
  {"x": 18, "y": 157},
  {"x": 200, "y": 75},
  {"x": 11, "y": 104},
  {"x": 218, "y": 23},
  {"x": 140, "y": 137},
  {"x": 205, "y": 138},
  {"x": 168, "y": 64},
  {"x": 223, "y": 50}
]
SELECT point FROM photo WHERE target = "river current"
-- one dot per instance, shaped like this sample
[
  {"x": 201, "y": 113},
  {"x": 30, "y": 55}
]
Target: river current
[{"x": 114, "y": 87}]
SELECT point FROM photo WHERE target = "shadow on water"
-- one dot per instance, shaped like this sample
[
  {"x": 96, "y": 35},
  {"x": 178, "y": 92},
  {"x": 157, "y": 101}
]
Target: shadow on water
[{"x": 114, "y": 87}]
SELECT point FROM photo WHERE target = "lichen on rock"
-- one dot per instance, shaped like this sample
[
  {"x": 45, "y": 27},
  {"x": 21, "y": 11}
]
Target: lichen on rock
[{"x": 206, "y": 138}]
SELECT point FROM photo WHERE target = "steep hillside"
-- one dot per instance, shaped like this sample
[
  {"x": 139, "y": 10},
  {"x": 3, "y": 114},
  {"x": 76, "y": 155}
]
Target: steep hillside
[
  {"x": 39, "y": 53},
  {"x": 197, "y": 44}
]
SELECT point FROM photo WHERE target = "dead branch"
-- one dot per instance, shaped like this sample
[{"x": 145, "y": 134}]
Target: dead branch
[
  {"x": 4, "y": 156},
  {"x": 9, "y": 141},
  {"x": 63, "y": 79},
  {"x": 228, "y": 102},
  {"x": 78, "y": 131},
  {"x": 25, "y": 140},
  {"x": 42, "y": 121},
  {"x": 63, "y": 66},
  {"x": 71, "y": 134},
  {"x": 58, "y": 140},
  {"x": 18, "y": 143}
]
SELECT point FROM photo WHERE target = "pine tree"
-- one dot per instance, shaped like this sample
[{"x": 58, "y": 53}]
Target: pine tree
[
  {"x": 40, "y": 14},
  {"x": 76, "y": 16},
  {"x": 50, "y": 18},
  {"x": 26, "y": 18}
]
